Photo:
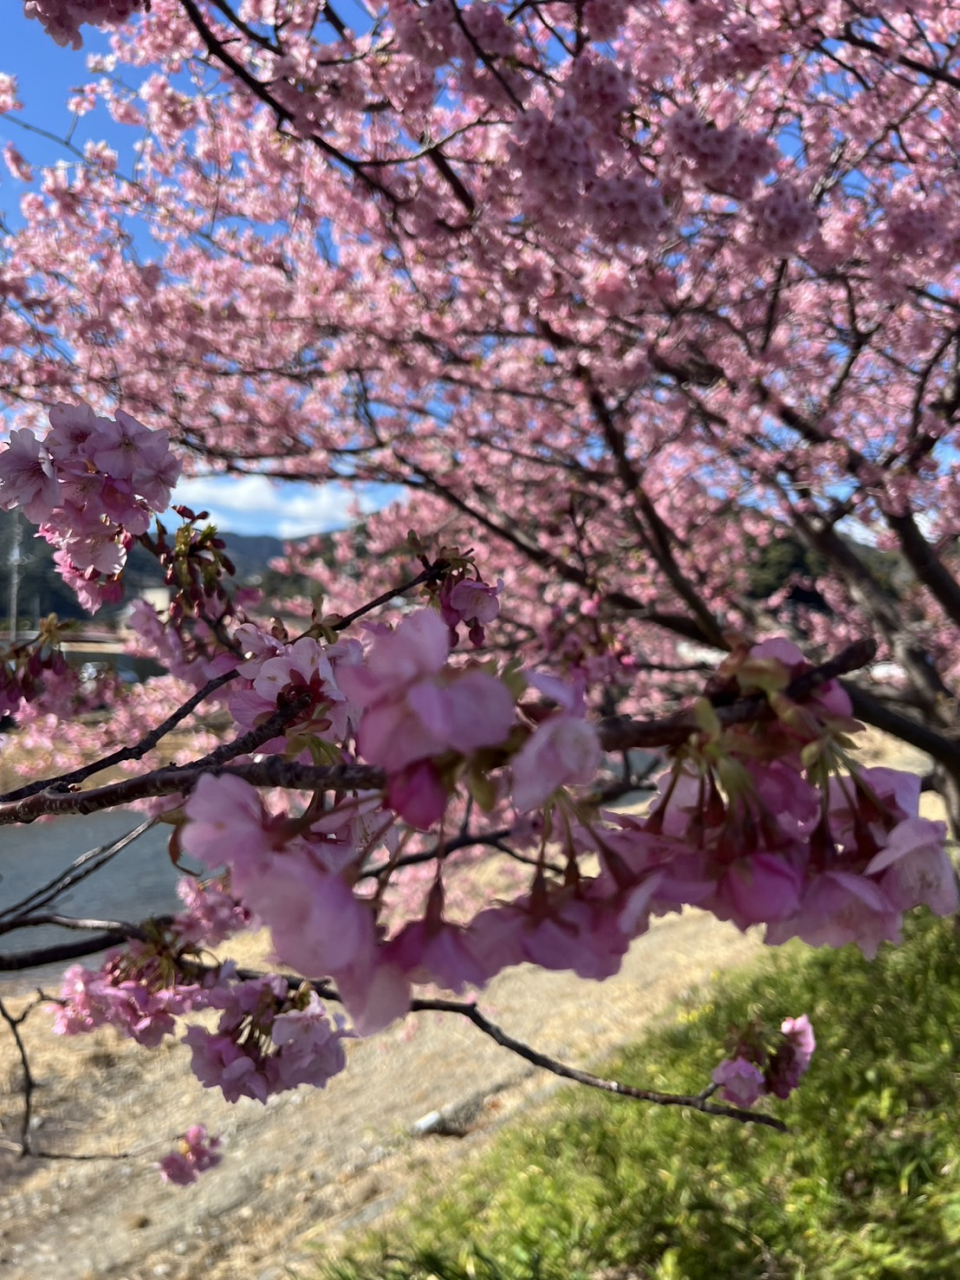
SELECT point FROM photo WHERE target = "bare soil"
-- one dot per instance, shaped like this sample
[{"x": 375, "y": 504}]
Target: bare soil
[{"x": 313, "y": 1164}]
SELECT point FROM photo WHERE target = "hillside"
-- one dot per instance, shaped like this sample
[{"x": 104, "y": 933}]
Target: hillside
[{"x": 42, "y": 590}]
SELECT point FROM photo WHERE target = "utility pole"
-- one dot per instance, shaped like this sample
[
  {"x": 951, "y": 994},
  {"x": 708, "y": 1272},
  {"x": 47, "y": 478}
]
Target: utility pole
[{"x": 15, "y": 562}]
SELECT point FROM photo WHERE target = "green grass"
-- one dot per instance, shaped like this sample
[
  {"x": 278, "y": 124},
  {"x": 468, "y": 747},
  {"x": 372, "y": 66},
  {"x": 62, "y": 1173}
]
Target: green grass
[{"x": 866, "y": 1186}]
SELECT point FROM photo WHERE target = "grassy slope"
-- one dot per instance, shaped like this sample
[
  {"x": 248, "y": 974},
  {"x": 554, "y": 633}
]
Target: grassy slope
[{"x": 866, "y": 1185}]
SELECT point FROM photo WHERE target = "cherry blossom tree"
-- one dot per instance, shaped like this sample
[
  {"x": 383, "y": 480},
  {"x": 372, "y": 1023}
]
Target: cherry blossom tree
[{"x": 621, "y": 295}]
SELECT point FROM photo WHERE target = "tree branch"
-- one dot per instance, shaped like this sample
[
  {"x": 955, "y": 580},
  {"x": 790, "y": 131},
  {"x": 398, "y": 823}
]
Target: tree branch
[
  {"x": 174, "y": 779},
  {"x": 59, "y": 953},
  {"x": 241, "y": 746},
  {"x": 29, "y": 1084},
  {"x": 696, "y": 1102},
  {"x": 618, "y": 733}
]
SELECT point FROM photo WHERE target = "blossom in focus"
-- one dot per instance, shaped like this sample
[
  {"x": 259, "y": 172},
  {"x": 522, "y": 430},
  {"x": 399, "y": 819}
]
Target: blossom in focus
[
  {"x": 471, "y": 602},
  {"x": 27, "y": 476},
  {"x": 414, "y": 707}
]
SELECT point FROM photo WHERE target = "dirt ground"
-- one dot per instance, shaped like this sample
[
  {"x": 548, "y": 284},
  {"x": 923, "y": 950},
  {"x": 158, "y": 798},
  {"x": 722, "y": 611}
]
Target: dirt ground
[{"x": 310, "y": 1165}]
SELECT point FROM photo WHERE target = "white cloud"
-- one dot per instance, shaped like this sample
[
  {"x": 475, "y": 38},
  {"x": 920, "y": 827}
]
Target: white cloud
[{"x": 254, "y": 504}]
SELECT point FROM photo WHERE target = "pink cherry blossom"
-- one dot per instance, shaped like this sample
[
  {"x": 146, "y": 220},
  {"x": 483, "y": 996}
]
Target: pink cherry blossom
[
  {"x": 562, "y": 751},
  {"x": 763, "y": 887},
  {"x": 27, "y": 476},
  {"x": 792, "y": 1058},
  {"x": 195, "y": 1154},
  {"x": 839, "y": 907},
  {"x": 914, "y": 868},
  {"x": 413, "y": 708},
  {"x": 438, "y": 952},
  {"x": 227, "y": 823},
  {"x": 625, "y": 300},
  {"x": 418, "y": 795},
  {"x": 469, "y": 601},
  {"x": 741, "y": 1081}
]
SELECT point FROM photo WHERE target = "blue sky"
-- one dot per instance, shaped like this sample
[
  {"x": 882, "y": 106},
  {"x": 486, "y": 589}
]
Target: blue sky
[{"x": 46, "y": 73}]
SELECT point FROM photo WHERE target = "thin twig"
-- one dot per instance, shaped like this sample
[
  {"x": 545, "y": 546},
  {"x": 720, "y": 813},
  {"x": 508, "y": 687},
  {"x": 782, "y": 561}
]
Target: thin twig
[
  {"x": 29, "y": 1084},
  {"x": 469, "y": 1010},
  {"x": 86, "y": 865},
  {"x": 697, "y": 1101},
  {"x": 243, "y": 745}
]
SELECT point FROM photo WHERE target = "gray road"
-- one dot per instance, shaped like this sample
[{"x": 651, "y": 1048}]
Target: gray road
[{"x": 140, "y": 881}]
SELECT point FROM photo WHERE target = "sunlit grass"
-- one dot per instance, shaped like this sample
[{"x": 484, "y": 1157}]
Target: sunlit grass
[{"x": 866, "y": 1186}]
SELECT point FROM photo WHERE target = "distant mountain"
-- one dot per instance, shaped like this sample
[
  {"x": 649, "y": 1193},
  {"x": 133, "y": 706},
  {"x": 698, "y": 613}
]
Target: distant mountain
[
  {"x": 251, "y": 554},
  {"x": 43, "y": 591}
]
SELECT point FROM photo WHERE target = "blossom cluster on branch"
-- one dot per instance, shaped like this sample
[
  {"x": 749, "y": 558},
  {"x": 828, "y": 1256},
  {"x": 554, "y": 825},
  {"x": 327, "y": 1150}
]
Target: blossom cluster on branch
[
  {"x": 763, "y": 817},
  {"x": 92, "y": 485},
  {"x": 637, "y": 300}
]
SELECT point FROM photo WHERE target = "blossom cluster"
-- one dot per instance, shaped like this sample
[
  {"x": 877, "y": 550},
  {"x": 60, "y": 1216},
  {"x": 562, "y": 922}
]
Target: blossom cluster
[
  {"x": 266, "y": 1042},
  {"x": 784, "y": 218},
  {"x": 759, "y": 1068},
  {"x": 827, "y": 857},
  {"x": 778, "y": 839},
  {"x": 211, "y": 914},
  {"x": 128, "y": 993},
  {"x": 195, "y": 1154},
  {"x": 305, "y": 669},
  {"x": 92, "y": 484},
  {"x": 63, "y": 19},
  {"x": 487, "y": 150},
  {"x": 271, "y": 1036},
  {"x": 731, "y": 159},
  {"x": 555, "y": 156},
  {"x": 756, "y": 829}
]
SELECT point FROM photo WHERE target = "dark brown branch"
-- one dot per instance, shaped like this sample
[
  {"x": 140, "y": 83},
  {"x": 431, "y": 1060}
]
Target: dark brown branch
[
  {"x": 509, "y": 531},
  {"x": 696, "y": 1102},
  {"x": 649, "y": 523},
  {"x": 216, "y": 50},
  {"x": 618, "y": 733},
  {"x": 236, "y": 21},
  {"x": 920, "y": 555},
  {"x": 241, "y": 746},
  {"x": 174, "y": 779},
  {"x": 929, "y": 69},
  {"x": 468, "y": 1009},
  {"x": 868, "y": 707},
  {"x": 61, "y": 952},
  {"x": 136, "y": 752},
  {"x": 446, "y": 170},
  {"x": 429, "y": 574},
  {"x": 29, "y": 1084}
]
